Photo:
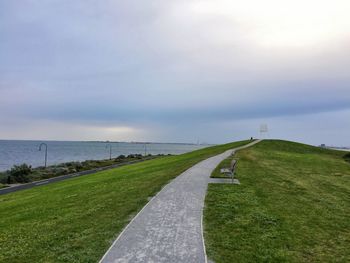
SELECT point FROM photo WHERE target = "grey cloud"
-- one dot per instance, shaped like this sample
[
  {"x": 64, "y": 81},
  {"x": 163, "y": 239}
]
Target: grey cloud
[{"x": 155, "y": 64}]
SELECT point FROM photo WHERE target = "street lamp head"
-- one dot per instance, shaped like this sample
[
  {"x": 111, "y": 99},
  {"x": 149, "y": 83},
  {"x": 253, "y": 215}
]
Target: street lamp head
[{"x": 41, "y": 144}]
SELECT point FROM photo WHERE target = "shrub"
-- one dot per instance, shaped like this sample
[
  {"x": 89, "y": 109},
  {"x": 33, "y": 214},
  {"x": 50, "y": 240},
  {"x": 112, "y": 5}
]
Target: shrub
[
  {"x": 70, "y": 164},
  {"x": 347, "y": 157},
  {"x": 78, "y": 166},
  {"x": 60, "y": 170},
  {"x": 3, "y": 177},
  {"x": 20, "y": 173},
  {"x": 121, "y": 157}
]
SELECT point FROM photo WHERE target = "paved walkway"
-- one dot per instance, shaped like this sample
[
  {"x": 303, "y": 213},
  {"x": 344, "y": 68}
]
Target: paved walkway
[{"x": 169, "y": 228}]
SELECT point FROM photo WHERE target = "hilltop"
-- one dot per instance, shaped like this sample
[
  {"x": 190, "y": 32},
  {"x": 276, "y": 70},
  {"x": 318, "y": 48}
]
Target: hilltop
[{"x": 293, "y": 205}]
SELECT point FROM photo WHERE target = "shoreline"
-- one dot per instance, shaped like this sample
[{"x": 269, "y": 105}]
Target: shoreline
[{"x": 23, "y": 186}]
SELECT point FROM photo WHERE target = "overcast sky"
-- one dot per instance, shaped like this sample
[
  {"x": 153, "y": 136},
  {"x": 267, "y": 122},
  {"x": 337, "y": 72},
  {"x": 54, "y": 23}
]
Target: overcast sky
[{"x": 176, "y": 70}]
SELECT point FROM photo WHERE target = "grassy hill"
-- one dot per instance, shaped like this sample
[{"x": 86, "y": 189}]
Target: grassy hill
[
  {"x": 77, "y": 220},
  {"x": 293, "y": 205}
]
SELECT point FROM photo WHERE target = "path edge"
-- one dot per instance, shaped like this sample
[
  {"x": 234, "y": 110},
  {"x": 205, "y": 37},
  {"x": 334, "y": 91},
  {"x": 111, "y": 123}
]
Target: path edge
[
  {"x": 146, "y": 205},
  {"x": 132, "y": 220},
  {"x": 202, "y": 226}
]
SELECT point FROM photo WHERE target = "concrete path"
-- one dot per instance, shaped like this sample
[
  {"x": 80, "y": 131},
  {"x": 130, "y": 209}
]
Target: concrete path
[
  {"x": 169, "y": 228},
  {"x": 223, "y": 181}
]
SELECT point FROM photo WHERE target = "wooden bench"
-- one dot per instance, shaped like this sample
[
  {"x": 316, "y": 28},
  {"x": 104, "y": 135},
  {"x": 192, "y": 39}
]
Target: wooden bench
[{"x": 230, "y": 171}]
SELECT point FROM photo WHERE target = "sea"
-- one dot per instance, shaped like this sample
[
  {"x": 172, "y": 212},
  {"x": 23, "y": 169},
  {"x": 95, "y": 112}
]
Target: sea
[{"x": 14, "y": 152}]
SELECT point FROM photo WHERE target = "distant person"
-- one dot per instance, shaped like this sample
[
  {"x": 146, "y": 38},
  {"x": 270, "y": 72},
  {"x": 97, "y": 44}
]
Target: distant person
[{"x": 251, "y": 138}]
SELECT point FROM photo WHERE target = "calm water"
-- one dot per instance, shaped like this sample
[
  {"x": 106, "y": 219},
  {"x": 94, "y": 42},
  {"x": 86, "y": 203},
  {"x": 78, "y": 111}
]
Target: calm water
[{"x": 18, "y": 152}]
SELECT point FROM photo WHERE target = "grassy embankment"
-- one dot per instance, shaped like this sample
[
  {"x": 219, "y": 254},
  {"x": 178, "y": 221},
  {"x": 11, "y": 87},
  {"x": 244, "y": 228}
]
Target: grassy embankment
[
  {"x": 293, "y": 205},
  {"x": 77, "y": 220},
  {"x": 25, "y": 173}
]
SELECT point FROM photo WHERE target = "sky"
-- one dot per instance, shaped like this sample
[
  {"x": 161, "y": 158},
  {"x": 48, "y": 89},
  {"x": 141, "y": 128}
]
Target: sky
[{"x": 176, "y": 70}]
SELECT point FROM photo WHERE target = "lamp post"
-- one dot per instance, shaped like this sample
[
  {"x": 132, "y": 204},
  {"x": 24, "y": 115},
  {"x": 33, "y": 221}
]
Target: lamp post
[
  {"x": 44, "y": 144},
  {"x": 110, "y": 151}
]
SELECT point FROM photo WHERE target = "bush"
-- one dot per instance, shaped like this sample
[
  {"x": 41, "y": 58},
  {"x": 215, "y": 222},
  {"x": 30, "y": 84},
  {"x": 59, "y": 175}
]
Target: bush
[
  {"x": 347, "y": 157},
  {"x": 78, "y": 166},
  {"x": 70, "y": 164},
  {"x": 59, "y": 170},
  {"x": 19, "y": 174},
  {"x": 121, "y": 157},
  {"x": 3, "y": 177}
]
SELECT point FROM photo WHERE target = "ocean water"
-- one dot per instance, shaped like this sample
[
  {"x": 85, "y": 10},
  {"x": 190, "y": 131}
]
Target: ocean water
[{"x": 17, "y": 152}]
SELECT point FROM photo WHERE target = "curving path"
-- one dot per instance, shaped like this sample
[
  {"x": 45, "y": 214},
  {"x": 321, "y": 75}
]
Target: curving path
[{"x": 169, "y": 228}]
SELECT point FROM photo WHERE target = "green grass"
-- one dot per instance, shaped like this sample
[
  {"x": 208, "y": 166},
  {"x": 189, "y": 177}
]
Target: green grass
[
  {"x": 25, "y": 173},
  {"x": 77, "y": 220},
  {"x": 224, "y": 164},
  {"x": 293, "y": 205}
]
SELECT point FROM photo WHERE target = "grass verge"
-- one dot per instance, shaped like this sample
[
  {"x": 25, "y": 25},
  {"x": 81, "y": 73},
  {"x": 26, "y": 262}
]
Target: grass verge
[
  {"x": 25, "y": 173},
  {"x": 293, "y": 205},
  {"x": 77, "y": 220},
  {"x": 224, "y": 164}
]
